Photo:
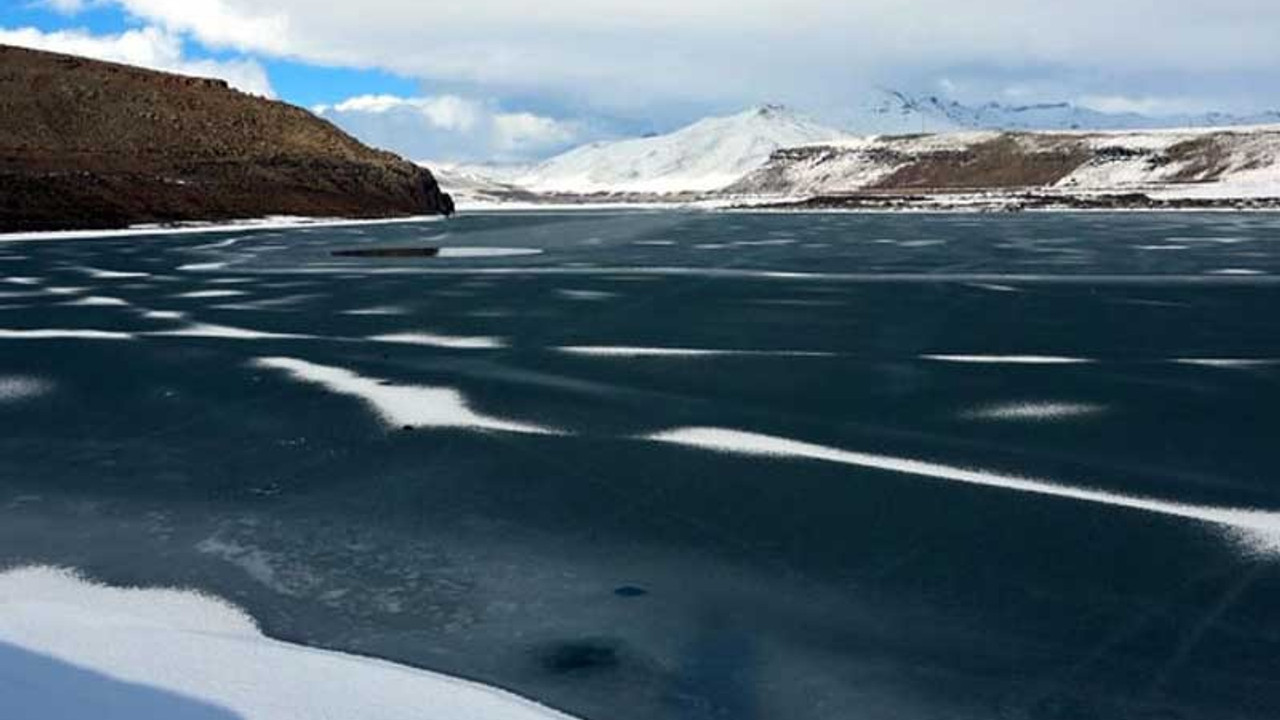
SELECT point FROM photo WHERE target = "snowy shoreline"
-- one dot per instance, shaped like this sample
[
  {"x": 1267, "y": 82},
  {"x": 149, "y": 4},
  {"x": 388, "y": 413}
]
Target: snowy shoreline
[
  {"x": 73, "y": 649},
  {"x": 276, "y": 222}
]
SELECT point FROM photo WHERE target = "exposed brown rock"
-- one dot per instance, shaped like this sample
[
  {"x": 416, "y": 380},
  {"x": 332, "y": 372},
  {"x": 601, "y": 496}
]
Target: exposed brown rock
[
  {"x": 1004, "y": 162},
  {"x": 92, "y": 144}
]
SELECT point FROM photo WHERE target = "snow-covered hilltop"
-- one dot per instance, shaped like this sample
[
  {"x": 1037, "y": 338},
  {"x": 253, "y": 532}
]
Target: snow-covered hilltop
[
  {"x": 704, "y": 156},
  {"x": 1187, "y": 164}
]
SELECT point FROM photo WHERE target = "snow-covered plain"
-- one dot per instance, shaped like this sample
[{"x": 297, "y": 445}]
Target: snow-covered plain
[{"x": 75, "y": 650}]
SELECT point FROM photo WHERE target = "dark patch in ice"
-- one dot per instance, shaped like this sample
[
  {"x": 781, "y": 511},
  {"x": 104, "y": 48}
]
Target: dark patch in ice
[
  {"x": 575, "y": 656},
  {"x": 403, "y": 252},
  {"x": 630, "y": 591}
]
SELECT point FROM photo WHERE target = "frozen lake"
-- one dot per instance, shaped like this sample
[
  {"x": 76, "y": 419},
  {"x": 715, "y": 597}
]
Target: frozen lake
[{"x": 643, "y": 465}]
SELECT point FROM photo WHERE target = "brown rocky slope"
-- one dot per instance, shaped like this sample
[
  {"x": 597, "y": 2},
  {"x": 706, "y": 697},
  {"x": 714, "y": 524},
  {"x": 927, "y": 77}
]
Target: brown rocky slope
[{"x": 88, "y": 144}]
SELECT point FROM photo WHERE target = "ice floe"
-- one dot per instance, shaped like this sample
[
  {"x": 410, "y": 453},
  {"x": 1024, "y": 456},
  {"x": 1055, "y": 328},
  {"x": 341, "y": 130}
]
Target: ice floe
[
  {"x": 399, "y": 405},
  {"x": 71, "y": 649},
  {"x": 1258, "y": 529}
]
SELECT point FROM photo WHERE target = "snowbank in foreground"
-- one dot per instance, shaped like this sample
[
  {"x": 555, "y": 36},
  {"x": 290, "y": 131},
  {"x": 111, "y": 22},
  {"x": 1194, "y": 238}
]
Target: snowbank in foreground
[{"x": 71, "y": 650}]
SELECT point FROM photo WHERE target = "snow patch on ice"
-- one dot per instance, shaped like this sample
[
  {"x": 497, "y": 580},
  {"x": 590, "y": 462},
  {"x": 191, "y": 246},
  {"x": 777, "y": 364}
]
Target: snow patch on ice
[
  {"x": 64, "y": 334},
  {"x": 1008, "y": 359},
  {"x": 101, "y": 274},
  {"x": 16, "y": 388},
  {"x": 1258, "y": 530},
  {"x": 203, "y": 294},
  {"x": 453, "y": 342},
  {"x": 486, "y": 252},
  {"x": 378, "y": 310},
  {"x": 585, "y": 295},
  {"x": 227, "y": 332},
  {"x": 623, "y": 351},
  {"x": 85, "y": 650},
  {"x": 1034, "y": 411},
  {"x": 1229, "y": 363},
  {"x": 399, "y": 405},
  {"x": 98, "y": 301}
]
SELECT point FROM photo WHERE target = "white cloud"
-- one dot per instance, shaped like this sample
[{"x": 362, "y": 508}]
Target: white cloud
[
  {"x": 449, "y": 128},
  {"x": 66, "y": 7},
  {"x": 447, "y": 112},
  {"x": 146, "y": 47},
  {"x": 513, "y": 131},
  {"x": 224, "y": 24},
  {"x": 635, "y": 53},
  {"x": 1139, "y": 105}
]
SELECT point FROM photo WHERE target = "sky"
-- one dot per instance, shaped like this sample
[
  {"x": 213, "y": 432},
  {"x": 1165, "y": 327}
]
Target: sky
[{"x": 513, "y": 81}]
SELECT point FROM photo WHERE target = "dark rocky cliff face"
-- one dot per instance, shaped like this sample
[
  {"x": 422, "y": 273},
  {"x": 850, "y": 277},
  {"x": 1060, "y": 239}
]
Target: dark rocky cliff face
[{"x": 87, "y": 144}]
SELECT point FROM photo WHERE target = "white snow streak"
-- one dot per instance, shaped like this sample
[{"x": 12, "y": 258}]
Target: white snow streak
[
  {"x": 399, "y": 405},
  {"x": 1258, "y": 529}
]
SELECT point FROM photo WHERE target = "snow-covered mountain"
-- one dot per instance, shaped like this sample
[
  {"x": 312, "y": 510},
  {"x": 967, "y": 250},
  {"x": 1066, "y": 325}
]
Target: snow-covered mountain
[
  {"x": 704, "y": 156},
  {"x": 1184, "y": 163},
  {"x": 751, "y": 152},
  {"x": 890, "y": 112}
]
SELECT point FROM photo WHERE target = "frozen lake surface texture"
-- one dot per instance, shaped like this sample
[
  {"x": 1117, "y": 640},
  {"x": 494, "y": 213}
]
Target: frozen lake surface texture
[{"x": 648, "y": 466}]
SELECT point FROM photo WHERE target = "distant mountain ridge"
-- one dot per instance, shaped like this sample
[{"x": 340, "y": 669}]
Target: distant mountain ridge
[
  {"x": 893, "y": 112},
  {"x": 721, "y": 152},
  {"x": 89, "y": 144}
]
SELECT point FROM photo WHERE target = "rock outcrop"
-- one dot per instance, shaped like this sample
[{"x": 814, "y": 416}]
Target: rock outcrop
[{"x": 88, "y": 144}]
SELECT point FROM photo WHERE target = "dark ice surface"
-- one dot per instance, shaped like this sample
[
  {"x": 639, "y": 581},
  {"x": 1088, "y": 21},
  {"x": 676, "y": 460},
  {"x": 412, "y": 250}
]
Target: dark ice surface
[{"x": 619, "y": 578}]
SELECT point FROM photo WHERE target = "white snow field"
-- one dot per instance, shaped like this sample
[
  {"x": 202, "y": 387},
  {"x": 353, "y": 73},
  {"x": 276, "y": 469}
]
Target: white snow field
[{"x": 75, "y": 650}]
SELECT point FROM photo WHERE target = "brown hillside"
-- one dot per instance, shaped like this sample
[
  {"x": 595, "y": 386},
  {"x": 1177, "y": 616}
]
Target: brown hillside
[{"x": 92, "y": 144}]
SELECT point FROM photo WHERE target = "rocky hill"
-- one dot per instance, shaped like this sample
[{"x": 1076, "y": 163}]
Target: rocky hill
[
  {"x": 1232, "y": 163},
  {"x": 88, "y": 144}
]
